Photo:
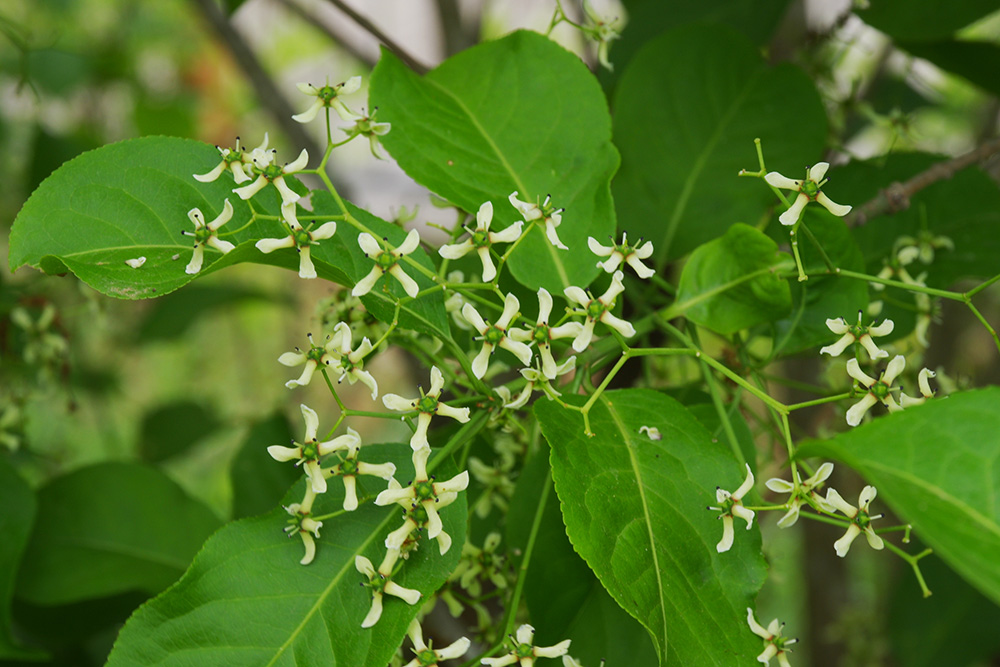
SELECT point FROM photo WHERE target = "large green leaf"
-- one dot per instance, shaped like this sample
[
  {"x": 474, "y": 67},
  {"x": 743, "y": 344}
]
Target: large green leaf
[
  {"x": 729, "y": 284},
  {"x": 687, "y": 110},
  {"x": 247, "y": 601},
  {"x": 18, "y": 514},
  {"x": 938, "y": 466},
  {"x": 520, "y": 113},
  {"x": 564, "y": 598},
  {"x": 107, "y": 529},
  {"x": 634, "y": 509}
]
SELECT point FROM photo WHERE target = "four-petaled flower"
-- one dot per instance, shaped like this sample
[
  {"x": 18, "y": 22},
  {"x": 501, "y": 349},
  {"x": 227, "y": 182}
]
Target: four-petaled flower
[
  {"x": 206, "y": 233},
  {"x": 387, "y": 261},
  {"x": 310, "y": 451},
  {"x": 416, "y": 518},
  {"x": 542, "y": 334},
  {"x": 301, "y": 238},
  {"x": 536, "y": 378},
  {"x": 350, "y": 467},
  {"x": 495, "y": 335},
  {"x": 235, "y": 159},
  {"x": 860, "y": 519},
  {"x": 524, "y": 653},
  {"x": 426, "y": 655},
  {"x": 329, "y": 97},
  {"x": 303, "y": 525},
  {"x": 857, "y": 333},
  {"x": 366, "y": 126},
  {"x": 878, "y": 390},
  {"x": 480, "y": 239},
  {"x": 805, "y": 493},
  {"x": 617, "y": 253},
  {"x": 809, "y": 190},
  {"x": 347, "y": 363},
  {"x": 730, "y": 505},
  {"x": 774, "y": 644},
  {"x": 551, "y": 216},
  {"x": 425, "y": 492},
  {"x": 380, "y": 583},
  {"x": 603, "y": 32},
  {"x": 599, "y": 310},
  {"x": 427, "y": 405},
  {"x": 269, "y": 172}
]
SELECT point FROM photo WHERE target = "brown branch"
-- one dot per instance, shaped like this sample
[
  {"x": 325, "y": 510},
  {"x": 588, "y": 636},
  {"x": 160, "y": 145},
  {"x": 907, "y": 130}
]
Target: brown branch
[
  {"x": 340, "y": 40},
  {"x": 897, "y": 196},
  {"x": 375, "y": 32}
]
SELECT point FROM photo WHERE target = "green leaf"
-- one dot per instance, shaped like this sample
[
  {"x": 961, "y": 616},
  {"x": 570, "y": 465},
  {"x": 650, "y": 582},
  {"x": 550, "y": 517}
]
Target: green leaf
[
  {"x": 634, "y": 509},
  {"x": 562, "y": 590},
  {"x": 173, "y": 315},
  {"x": 247, "y": 601},
  {"x": 107, "y": 529},
  {"x": 18, "y": 503},
  {"x": 687, "y": 110},
  {"x": 955, "y": 626},
  {"x": 519, "y": 113},
  {"x": 258, "y": 484},
  {"x": 729, "y": 284},
  {"x": 935, "y": 465},
  {"x": 172, "y": 429},
  {"x": 912, "y": 20}
]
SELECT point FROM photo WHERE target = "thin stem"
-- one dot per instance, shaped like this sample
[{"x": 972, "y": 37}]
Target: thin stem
[
  {"x": 914, "y": 564},
  {"x": 819, "y": 401}
]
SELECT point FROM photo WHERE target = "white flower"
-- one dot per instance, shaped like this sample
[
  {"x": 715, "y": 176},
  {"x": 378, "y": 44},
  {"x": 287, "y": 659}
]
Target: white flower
[
  {"x": 523, "y": 652},
  {"x": 599, "y": 310},
  {"x": 857, "y": 333},
  {"x": 136, "y": 263},
  {"x": 427, "y": 405},
  {"x": 304, "y": 526},
  {"x": 387, "y": 261},
  {"x": 603, "y": 32},
  {"x": 480, "y": 239},
  {"x": 809, "y": 190},
  {"x": 623, "y": 252},
  {"x": 804, "y": 493},
  {"x": 301, "y": 238},
  {"x": 860, "y": 519},
  {"x": 348, "y": 363},
  {"x": 235, "y": 160},
  {"x": 495, "y": 335},
  {"x": 427, "y": 656},
  {"x": 730, "y": 505},
  {"x": 310, "y": 451},
  {"x": 551, "y": 216},
  {"x": 350, "y": 467},
  {"x": 328, "y": 96},
  {"x": 922, "y": 247},
  {"x": 542, "y": 334},
  {"x": 425, "y": 492},
  {"x": 380, "y": 582},
  {"x": 268, "y": 172},
  {"x": 536, "y": 378},
  {"x": 416, "y": 518},
  {"x": 206, "y": 233},
  {"x": 878, "y": 390},
  {"x": 365, "y": 126},
  {"x": 774, "y": 644}
]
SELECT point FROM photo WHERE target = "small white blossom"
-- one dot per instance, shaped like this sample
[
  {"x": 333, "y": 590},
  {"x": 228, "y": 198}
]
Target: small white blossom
[
  {"x": 428, "y": 656},
  {"x": 878, "y": 390},
  {"x": 809, "y": 190},
  {"x": 206, "y": 233},
  {"x": 350, "y": 467},
  {"x": 804, "y": 493},
  {"x": 523, "y": 652},
  {"x": 549, "y": 215},
  {"x": 301, "y": 524},
  {"x": 536, "y": 379},
  {"x": 599, "y": 310},
  {"x": 857, "y": 333},
  {"x": 387, "y": 261},
  {"x": 236, "y": 160},
  {"x": 416, "y": 518},
  {"x": 495, "y": 335},
  {"x": 269, "y": 172},
  {"x": 365, "y": 126},
  {"x": 542, "y": 334},
  {"x": 309, "y": 452},
  {"x": 617, "y": 253},
  {"x": 329, "y": 97},
  {"x": 380, "y": 582},
  {"x": 730, "y": 505},
  {"x": 860, "y": 519},
  {"x": 300, "y": 238},
  {"x": 427, "y": 405},
  {"x": 602, "y": 31},
  {"x": 774, "y": 644},
  {"x": 481, "y": 239}
]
